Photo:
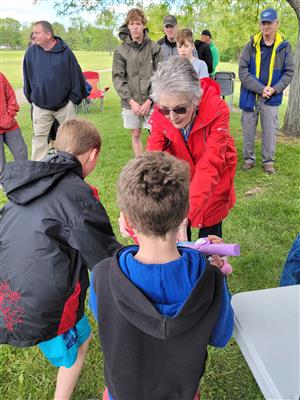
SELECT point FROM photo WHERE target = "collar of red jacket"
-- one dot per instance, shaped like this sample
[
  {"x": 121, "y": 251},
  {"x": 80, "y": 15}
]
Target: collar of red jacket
[{"x": 207, "y": 112}]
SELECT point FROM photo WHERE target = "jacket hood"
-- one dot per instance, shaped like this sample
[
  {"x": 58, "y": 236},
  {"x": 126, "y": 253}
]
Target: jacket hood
[
  {"x": 124, "y": 35},
  {"x": 59, "y": 46},
  {"x": 278, "y": 43},
  {"x": 27, "y": 180},
  {"x": 140, "y": 312}
]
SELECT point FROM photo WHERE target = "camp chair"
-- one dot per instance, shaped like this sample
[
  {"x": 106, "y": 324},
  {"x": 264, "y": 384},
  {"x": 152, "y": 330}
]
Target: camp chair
[
  {"x": 96, "y": 93},
  {"x": 226, "y": 82}
]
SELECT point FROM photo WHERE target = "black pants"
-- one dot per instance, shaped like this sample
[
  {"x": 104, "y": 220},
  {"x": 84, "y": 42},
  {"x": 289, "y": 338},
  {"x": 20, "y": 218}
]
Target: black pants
[{"x": 209, "y": 230}]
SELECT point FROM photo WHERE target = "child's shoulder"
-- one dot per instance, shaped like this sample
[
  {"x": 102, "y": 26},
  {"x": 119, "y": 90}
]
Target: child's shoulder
[{"x": 101, "y": 273}]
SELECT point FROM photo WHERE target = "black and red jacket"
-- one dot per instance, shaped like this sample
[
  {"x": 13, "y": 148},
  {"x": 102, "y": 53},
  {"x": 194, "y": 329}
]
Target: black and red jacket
[{"x": 52, "y": 231}]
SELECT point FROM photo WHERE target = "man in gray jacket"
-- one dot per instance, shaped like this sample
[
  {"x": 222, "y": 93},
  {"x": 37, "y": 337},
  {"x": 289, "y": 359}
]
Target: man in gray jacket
[
  {"x": 265, "y": 70},
  {"x": 134, "y": 62},
  {"x": 168, "y": 42}
]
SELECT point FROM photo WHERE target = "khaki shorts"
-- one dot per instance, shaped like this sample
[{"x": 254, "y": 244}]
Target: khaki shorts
[{"x": 133, "y": 121}]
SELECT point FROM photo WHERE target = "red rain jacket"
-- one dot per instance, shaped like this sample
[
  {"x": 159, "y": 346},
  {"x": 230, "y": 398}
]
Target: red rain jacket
[
  {"x": 210, "y": 152},
  {"x": 8, "y": 106}
]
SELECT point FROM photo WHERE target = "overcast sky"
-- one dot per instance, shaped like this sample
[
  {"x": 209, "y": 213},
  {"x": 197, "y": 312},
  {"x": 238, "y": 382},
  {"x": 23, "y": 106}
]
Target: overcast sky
[{"x": 25, "y": 12}]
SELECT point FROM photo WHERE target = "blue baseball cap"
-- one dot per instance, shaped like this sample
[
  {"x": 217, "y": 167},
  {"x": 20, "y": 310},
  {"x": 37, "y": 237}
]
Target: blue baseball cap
[{"x": 269, "y": 15}]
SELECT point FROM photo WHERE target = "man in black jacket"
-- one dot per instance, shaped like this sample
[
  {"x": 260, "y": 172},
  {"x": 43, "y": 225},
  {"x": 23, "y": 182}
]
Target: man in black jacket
[
  {"x": 52, "y": 230},
  {"x": 53, "y": 83},
  {"x": 204, "y": 53}
]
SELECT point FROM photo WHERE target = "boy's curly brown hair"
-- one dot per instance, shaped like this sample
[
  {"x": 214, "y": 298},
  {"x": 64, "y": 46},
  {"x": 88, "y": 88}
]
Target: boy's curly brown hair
[
  {"x": 136, "y": 14},
  {"x": 153, "y": 193}
]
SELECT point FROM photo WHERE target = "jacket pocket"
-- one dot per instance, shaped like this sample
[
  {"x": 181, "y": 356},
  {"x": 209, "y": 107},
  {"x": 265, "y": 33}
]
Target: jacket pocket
[{"x": 247, "y": 99}]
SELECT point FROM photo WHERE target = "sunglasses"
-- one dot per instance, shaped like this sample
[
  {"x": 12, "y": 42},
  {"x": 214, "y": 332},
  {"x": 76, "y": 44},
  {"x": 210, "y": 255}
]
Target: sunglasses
[{"x": 176, "y": 110}]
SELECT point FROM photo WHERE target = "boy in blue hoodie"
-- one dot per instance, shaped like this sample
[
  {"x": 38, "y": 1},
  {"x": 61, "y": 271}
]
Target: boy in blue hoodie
[{"x": 158, "y": 305}]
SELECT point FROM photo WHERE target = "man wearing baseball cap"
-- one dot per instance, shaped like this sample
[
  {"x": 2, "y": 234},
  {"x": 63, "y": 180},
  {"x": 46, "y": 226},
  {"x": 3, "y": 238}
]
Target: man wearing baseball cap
[
  {"x": 168, "y": 42},
  {"x": 207, "y": 38},
  {"x": 266, "y": 68}
]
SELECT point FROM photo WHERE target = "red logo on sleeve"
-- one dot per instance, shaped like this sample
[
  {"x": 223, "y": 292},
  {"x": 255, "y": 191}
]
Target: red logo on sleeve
[{"x": 11, "y": 312}]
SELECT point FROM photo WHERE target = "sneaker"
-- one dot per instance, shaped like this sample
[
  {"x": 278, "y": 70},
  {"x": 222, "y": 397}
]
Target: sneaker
[
  {"x": 248, "y": 165},
  {"x": 269, "y": 169}
]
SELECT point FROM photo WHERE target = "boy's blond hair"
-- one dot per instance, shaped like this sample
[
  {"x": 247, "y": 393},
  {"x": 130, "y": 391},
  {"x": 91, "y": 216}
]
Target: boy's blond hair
[
  {"x": 136, "y": 15},
  {"x": 153, "y": 193},
  {"x": 77, "y": 136},
  {"x": 184, "y": 35}
]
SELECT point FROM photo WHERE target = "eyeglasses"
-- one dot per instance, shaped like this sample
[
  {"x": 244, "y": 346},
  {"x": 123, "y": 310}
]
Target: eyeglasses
[{"x": 176, "y": 110}]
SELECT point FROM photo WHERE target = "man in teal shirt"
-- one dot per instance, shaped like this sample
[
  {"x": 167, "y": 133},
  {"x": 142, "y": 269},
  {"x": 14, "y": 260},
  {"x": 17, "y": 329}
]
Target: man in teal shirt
[{"x": 206, "y": 37}]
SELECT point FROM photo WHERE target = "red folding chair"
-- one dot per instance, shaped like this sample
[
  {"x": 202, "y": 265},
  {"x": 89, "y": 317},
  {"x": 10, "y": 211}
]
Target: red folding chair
[{"x": 93, "y": 79}]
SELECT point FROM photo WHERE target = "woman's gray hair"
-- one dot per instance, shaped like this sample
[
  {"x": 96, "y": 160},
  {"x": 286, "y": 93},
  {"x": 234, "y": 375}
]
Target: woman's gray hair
[{"x": 173, "y": 76}]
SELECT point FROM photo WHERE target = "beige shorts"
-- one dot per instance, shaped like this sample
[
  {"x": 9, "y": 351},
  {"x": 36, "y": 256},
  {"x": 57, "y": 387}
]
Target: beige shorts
[{"x": 133, "y": 121}]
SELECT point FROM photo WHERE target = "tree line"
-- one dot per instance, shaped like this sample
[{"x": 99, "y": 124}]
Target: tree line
[
  {"x": 80, "y": 35},
  {"x": 231, "y": 24}
]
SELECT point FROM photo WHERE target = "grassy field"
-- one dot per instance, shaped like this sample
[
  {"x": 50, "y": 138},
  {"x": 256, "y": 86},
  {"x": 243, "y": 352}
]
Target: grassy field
[
  {"x": 265, "y": 225},
  {"x": 11, "y": 63}
]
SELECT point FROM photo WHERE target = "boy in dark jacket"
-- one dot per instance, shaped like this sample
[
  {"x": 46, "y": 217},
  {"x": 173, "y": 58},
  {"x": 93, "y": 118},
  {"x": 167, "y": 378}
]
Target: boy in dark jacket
[
  {"x": 52, "y": 230},
  {"x": 159, "y": 305}
]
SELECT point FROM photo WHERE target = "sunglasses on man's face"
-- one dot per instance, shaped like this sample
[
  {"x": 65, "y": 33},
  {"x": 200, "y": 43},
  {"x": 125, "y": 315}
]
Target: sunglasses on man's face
[{"x": 176, "y": 110}]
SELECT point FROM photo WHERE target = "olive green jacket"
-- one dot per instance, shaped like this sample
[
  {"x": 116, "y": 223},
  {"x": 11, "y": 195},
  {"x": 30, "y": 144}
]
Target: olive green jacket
[{"x": 133, "y": 66}]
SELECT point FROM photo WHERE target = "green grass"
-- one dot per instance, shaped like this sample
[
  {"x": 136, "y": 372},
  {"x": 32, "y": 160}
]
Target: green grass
[{"x": 265, "y": 225}]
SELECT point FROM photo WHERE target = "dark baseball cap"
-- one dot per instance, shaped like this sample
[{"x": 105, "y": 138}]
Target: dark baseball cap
[
  {"x": 268, "y": 15},
  {"x": 170, "y": 20},
  {"x": 206, "y": 33}
]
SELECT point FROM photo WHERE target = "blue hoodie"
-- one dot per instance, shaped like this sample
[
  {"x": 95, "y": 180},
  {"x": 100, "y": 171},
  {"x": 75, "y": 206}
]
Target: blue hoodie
[
  {"x": 169, "y": 285},
  {"x": 53, "y": 77}
]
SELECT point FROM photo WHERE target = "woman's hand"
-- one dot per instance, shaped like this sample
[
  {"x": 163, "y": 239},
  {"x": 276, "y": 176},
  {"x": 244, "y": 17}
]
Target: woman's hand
[
  {"x": 214, "y": 259},
  {"x": 215, "y": 239}
]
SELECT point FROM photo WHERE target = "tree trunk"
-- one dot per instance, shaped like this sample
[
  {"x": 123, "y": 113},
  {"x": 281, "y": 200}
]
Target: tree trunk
[{"x": 292, "y": 116}]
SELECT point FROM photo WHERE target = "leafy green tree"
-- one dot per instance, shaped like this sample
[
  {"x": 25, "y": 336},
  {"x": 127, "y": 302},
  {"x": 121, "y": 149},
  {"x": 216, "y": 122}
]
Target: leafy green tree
[
  {"x": 292, "y": 116},
  {"x": 107, "y": 21},
  {"x": 74, "y": 36},
  {"x": 59, "y": 30},
  {"x": 10, "y": 33},
  {"x": 155, "y": 14},
  {"x": 25, "y": 35}
]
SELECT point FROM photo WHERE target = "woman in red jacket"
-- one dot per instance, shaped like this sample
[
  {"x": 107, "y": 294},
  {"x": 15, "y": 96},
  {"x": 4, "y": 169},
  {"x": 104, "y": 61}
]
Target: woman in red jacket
[
  {"x": 10, "y": 133},
  {"x": 191, "y": 122}
]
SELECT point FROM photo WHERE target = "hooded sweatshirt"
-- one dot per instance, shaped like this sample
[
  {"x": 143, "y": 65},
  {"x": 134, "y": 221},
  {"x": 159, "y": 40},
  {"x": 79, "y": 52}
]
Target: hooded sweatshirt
[
  {"x": 51, "y": 230},
  {"x": 53, "y": 77},
  {"x": 133, "y": 66},
  {"x": 155, "y": 322}
]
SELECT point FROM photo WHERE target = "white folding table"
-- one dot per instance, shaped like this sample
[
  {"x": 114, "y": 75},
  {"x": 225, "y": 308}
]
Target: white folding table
[{"x": 267, "y": 330}]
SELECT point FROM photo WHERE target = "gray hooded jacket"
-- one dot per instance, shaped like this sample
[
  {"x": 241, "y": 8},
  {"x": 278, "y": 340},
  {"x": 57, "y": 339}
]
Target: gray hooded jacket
[{"x": 133, "y": 66}]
